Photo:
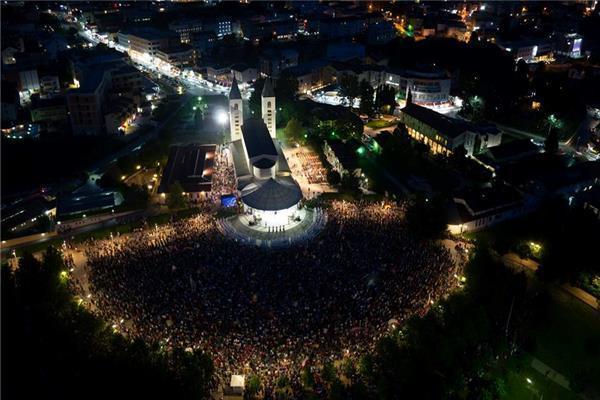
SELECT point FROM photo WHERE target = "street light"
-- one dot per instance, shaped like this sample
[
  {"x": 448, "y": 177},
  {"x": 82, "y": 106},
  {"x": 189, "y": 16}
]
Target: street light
[{"x": 221, "y": 117}]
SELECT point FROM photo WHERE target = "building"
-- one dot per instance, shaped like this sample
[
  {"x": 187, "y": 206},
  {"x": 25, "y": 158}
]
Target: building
[
  {"x": 343, "y": 156},
  {"x": 192, "y": 167},
  {"x": 270, "y": 196},
  {"x": 312, "y": 75},
  {"x": 476, "y": 209},
  {"x": 48, "y": 110},
  {"x": 74, "y": 204},
  {"x": 380, "y": 32},
  {"x": 186, "y": 28},
  {"x": 147, "y": 41},
  {"x": 268, "y": 107},
  {"x": 495, "y": 157},
  {"x": 27, "y": 213},
  {"x": 203, "y": 42},
  {"x": 430, "y": 86},
  {"x": 244, "y": 73},
  {"x": 530, "y": 50},
  {"x": 88, "y": 104},
  {"x": 221, "y": 25},
  {"x": 179, "y": 56},
  {"x": 569, "y": 45},
  {"x": 49, "y": 85},
  {"x": 29, "y": 80},
  {"x": 236, "y": 112},
  {"x": 343, "y": 27},
  {"x": 444, "y": 135},
  {"x": 272, "y": 62}
]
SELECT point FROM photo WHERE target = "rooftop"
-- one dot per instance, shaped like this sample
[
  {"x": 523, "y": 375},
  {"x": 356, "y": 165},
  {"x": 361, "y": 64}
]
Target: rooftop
[
  {"x": 345, "y": 152},
  {"x": 191, "y": 165},
  {"x": 149, "y": 33},
  {"x": 446, "y": 126},
  {"x": 272, "y": 194},
  {"x": 257, "y": 139}
]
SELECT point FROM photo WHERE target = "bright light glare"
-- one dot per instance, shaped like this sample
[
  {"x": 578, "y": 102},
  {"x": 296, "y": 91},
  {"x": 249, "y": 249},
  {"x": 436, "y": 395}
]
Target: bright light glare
[{"x": 221, "y": 117}]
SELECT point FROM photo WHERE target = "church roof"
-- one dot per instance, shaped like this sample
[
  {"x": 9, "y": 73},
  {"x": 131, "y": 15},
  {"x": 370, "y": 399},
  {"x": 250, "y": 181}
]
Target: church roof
[
  {"x": 263, "y": 163},
  {"x": 257, "y": 139},
  {"x": 234, "y": 93},
  {"x": 272, "y": 194},
  {"x": 268, "y": 89}
]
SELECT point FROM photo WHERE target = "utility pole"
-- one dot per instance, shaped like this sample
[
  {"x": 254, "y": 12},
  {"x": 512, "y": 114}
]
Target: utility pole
[{"x": 512, "y": 303}]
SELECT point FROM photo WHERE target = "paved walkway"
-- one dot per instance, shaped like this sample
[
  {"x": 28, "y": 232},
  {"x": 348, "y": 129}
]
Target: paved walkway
[
  {"x": 550, "y": 373},
  {"x": 513, "y": 260}
]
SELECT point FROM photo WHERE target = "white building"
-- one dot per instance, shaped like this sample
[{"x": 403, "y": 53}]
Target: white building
[
  {"x": 269, "y": 111},
  {"x": 236, "y": 112},
  {"x": 268, "y": 192}
]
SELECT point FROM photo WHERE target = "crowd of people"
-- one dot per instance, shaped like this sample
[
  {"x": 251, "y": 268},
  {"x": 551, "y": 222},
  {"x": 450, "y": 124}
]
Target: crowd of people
[
  {"x": 224, "y": 181},
  {"x": 312, "y": 167},
  {"x": 270, "y": 312}
]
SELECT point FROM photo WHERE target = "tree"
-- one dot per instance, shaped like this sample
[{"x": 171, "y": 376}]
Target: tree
[
  {"x": 367, "y": 104},
  {"x": 38, "y": 309},
  {"x": 459, "y": 157},
  {"x": 253, "y": 386},
  {"x": 473, "y": 108},
  {"x": 333, "y": 177},
  {"x": 135, "y": 195},
  {"x": 427, "y": 217},
  {"x": 349, "y": 88},
  {"x": 293, "y": 130},
  {"x": 329, "y": 374},
  {"x": 254, "y": 103},
  {"x": 308, "y": 379},
  {"x": 349, "y": 182},
  {"x": 551, "y": 142},
  {"x": 385, "y": 98},
  {"x": 286, "y": 89},
  {"x": 176, "y": 199}
]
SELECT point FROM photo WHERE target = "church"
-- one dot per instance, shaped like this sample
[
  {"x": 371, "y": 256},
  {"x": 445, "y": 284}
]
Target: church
[{"x": 270, "y": 195}]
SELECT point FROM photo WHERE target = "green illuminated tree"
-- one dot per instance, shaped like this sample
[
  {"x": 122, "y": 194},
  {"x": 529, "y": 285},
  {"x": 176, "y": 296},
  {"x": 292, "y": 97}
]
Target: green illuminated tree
[
  {"x": 293, "y": 130},
  {"x": 254, "y": 103},
  {"x": 385, "y": 98},
  {"x": 367, "y": 103},
  {"x": 176, "y": 199},
  {"x": 349, "y": 89}
]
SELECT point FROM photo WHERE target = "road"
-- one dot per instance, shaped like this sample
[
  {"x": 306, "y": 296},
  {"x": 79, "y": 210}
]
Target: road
[
  {"x": 31, "y": 240},
  {"x": 513, "y": 260},
  {"x": 564, "y": 146}
]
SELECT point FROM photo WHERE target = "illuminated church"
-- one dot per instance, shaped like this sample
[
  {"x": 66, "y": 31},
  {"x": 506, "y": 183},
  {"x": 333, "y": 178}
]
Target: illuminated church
[{"x": 270, "y": 195}]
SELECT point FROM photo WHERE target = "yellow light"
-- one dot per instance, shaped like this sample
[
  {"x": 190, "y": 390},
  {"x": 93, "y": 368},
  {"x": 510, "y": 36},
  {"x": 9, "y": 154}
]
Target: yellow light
[{"x": 138, "y": 167}]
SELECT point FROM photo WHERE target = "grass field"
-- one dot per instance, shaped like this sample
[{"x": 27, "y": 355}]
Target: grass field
[
  {"x": 517, "y": 386},
  {"x": 564, "y": 341},
  {"x": 380, "y": 123}
]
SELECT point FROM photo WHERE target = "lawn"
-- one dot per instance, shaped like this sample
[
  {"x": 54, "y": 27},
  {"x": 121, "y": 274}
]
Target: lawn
[
  {"x": 517, "y": 386},
  {"x": 563, "y": 340},
  {"x": 561, "y": 344},
  {"x": 380, "y": 123}
]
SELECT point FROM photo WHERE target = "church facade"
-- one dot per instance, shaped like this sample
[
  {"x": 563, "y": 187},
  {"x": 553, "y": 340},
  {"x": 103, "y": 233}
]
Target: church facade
[{"x": 268, "y": 191}]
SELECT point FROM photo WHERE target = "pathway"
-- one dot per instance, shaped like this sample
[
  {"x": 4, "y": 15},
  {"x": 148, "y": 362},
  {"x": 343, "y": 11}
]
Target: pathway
[{"x": 513, "y": 260}]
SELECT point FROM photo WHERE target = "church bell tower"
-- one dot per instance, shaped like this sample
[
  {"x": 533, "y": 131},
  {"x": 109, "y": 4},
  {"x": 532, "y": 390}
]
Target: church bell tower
[
  {"x": 236, "y": 113},
  {"x": 269, "y": 109}
]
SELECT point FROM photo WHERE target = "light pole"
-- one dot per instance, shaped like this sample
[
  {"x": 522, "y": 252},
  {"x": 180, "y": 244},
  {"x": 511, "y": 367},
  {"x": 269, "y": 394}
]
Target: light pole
[
  {"x": 221, "y": 118},
  {"x": 553, "y": 122}
]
